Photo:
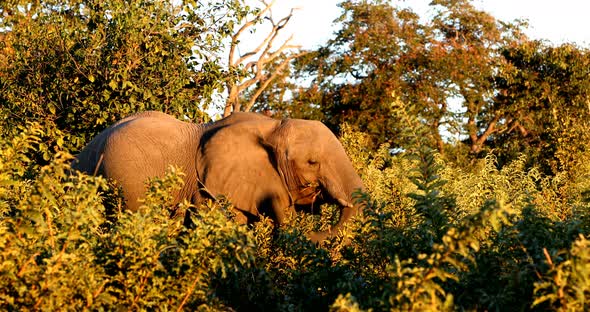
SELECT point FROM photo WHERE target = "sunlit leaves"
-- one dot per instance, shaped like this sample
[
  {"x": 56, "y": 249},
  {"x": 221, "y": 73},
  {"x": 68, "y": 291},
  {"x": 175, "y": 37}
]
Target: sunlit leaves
[
  {"x": 77, "y": 66},
  {"x": 486, "y": 238},
  {"x": 567, "y": 285}
]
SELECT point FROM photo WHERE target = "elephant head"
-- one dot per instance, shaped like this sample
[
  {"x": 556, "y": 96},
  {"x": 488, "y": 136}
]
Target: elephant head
[{"x": 306, "y": 159}]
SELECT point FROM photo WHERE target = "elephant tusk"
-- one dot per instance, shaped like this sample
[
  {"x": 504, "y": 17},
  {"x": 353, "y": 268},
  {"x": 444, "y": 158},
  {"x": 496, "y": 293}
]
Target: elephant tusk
[
  {"x": 98, "y": 164},
  {"x": 203, "y": 188},
  {"x": 345, "y": 203}
]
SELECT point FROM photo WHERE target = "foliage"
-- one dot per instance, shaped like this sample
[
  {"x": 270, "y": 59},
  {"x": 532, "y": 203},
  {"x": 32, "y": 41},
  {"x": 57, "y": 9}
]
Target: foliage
[
  {"x": 553, "y": 84},
  {"x": 76, "y": 66},
  {"x": 506, "y": 230},
  {"x": 383, "y": 51},
  {"x": 49, "y": 227},
  {"x": 433, "y": 237},
  {"x": 567, "y": 286},
  {"x": 59, "y": 251},
  {"x": 478, "y": 84}
]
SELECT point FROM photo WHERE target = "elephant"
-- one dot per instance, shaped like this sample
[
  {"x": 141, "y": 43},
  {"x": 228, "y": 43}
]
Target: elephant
[{"x": 260, "y": 164}]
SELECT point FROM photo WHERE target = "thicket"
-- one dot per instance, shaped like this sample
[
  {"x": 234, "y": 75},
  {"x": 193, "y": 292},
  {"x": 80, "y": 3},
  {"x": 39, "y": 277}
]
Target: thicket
[
  {"x": 501, "y": 230},
  {"x": 433, "y": 237},
  {"x": 77, "y": 66}
]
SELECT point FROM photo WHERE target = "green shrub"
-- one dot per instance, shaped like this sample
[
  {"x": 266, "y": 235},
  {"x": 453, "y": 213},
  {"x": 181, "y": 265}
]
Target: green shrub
[
  {"x": 58, "y": 250},
  {"x": 433, "y": 237},
  {"x": 566, "y": 287},
  {"x": 77, "y": 66},
  {"x": 49, "y": 226}
]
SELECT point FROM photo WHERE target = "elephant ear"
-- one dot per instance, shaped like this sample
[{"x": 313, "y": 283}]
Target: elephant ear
[
  {"x": 231, "y": 162},
  {"x": 278, "y": 142}
]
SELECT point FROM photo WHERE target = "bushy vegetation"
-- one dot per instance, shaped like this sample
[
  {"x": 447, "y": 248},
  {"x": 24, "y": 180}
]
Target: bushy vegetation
[
  {"x": 432, "y": 238},
  {"x": 496, "y": 221},
  {"x": 77, "y": 66}
]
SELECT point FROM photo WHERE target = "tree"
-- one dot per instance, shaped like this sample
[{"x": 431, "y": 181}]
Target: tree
[
  {"x": 545, "y": 97},
  {"x": 357, "y": 75},
  {"x": 259, "y": 66},
  {"x": 384, "y": 52},
  {"x": 76, "y": 66},
  {"x": 468, "y": 47}
]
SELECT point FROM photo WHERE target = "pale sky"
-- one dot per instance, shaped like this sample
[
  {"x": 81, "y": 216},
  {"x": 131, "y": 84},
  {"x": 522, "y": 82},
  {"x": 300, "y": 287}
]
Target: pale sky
[{"x": 557, "y": 21}]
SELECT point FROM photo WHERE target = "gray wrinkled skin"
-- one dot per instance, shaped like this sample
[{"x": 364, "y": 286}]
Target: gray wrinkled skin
[{"x": 262, "y": 165}]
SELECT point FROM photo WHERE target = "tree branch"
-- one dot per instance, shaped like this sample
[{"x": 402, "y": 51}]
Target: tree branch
[
  {"x": 477, "y": 141},
  {"x": 236, "y": 36},
  {"x": 256, "y": 67},
  {"x": 266, "y": 82}
]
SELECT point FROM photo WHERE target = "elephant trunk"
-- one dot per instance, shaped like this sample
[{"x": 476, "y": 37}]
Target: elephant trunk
[
  {"x": 349, "y": 208},
  {"x": 341, "y": 188}
]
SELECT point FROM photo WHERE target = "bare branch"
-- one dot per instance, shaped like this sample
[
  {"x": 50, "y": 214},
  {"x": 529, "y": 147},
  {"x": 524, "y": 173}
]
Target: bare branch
[
  {"x": 251, "y": 65},
  {"x": 257, "y": 61},
  {"x": 283, "y": 47},
  {"x": 266, "y": 44},
  {"x": 277, "y": 72},
  {"x": 248, "y": 24}
]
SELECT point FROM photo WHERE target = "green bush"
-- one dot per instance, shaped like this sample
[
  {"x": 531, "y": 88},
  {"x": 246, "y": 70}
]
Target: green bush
[
  {"x": 77, "y": 66},
  {"x": 566, "y": 287},
  {"x": 438, "y": 232},
  {"x": 58, "y": 249},
  {"x": 49, "y": 227},
  {"x": 433, "y": 237}
]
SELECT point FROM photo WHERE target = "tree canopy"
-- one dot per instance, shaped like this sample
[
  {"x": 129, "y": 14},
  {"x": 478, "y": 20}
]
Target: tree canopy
[
  {"x": 77, "y": 66},
  {"x": 478, "y": 83}
]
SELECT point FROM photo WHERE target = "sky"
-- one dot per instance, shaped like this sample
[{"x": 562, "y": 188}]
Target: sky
[{"x": 556, "y": 21}]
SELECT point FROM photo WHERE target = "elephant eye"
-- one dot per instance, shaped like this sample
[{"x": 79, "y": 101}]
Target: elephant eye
[{"x": 312, "y": 162}]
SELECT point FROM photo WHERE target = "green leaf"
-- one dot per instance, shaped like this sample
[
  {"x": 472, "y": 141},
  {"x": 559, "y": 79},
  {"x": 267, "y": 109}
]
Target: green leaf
[{"x": 113, "y": 85}]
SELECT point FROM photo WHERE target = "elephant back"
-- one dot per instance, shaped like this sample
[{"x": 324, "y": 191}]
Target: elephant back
[{"x": 141, "y": 147}]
